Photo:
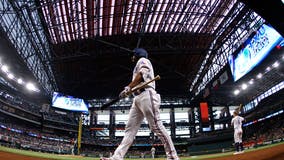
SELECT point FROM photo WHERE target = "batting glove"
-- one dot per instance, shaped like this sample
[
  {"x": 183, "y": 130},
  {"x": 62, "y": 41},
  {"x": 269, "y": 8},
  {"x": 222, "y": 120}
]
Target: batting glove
[{"x": 125, "y": 92}]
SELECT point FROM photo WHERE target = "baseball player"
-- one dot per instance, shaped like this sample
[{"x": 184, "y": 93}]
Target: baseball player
[
  {"x": 153, "y": 150},
  {"x": 238, "y": 132},
  {"x": 146, "y": 103}
]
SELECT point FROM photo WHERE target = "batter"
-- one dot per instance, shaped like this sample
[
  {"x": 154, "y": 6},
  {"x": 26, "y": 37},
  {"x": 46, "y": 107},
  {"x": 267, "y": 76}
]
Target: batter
[
  {"x": 146, "y": 103},
  {"x": 238, "y": 132}
]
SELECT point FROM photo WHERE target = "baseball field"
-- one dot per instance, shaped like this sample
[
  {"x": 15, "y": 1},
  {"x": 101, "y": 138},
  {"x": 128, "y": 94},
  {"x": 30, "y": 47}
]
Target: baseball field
[{"x": 270, "y": 152}]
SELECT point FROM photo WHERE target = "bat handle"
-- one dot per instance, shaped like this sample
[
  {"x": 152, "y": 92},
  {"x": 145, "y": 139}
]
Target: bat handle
[{"x": 157, "y": 77}]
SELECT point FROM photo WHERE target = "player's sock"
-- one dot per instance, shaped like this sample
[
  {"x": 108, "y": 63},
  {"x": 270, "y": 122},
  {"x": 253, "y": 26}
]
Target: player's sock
[
  {"x": 237, "y": 147},
  {"x": 242, "y": 146}
]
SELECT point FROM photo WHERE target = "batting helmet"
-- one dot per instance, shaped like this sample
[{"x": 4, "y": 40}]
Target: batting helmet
[{"x": 140, "y": 52}]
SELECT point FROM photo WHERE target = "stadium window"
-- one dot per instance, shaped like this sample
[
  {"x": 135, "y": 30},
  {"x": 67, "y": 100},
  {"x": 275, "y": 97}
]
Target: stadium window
[
  {"x": 181, "y": 117},
  {"x": 218, "y": 126},
  {"x": 103, "y": 119}
]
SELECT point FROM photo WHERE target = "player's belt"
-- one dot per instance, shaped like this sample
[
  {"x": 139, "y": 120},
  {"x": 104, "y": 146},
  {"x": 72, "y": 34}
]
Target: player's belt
[{"x": 139, "y": 91}]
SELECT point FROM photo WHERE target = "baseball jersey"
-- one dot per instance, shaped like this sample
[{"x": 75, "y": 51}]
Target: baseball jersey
[
  {"x": 153, "y": 150},
  {"x": 145, "y": 67},
  {"x": 237, "y": 122}
]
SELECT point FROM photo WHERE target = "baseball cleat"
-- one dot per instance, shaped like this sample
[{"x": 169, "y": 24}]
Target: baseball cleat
[
  {"x": 104, "y": 158},
  {"x": 236, "y": 153}
]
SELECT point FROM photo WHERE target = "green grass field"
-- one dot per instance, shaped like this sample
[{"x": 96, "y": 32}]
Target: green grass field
[{"x": 71, "y": 157}]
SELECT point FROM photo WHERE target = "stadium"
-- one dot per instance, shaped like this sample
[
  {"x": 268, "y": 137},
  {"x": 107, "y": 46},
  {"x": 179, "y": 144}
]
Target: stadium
[{"x": 67, "y": 88}]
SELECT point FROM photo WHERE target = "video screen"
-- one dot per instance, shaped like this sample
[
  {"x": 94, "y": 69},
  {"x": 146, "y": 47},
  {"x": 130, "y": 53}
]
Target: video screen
[
  {"x": 254, "y": 51},
  {"x": 66, "y": 102}
]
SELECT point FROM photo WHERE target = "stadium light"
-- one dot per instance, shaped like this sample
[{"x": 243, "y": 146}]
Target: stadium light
[
  {"x": 259, "y": 76},
  {"x": 275, "y": 64},
  {"x": 31, "y": 87},
  {"x": 236, "y": 92},
  {"x": 268, "y": 69},
  {"x": 244, "y": 86},
  {"x": 20, "y": 81},
  {"x": 4, "y": 68},
  {"x": 11, "y": 76},
  {"x": 251, "y": 81}
]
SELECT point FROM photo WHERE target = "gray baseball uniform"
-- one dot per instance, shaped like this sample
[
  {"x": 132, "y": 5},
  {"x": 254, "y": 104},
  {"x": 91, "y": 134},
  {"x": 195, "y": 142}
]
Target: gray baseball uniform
[
  {"x": 153, "y": 150},
  {"x": 146, "y": 104},
  {"x": 237, "y": 123}
]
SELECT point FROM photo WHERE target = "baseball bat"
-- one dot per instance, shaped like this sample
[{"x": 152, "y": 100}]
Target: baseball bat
[
  {"x": 238, "y": 110},
  {"x": 134, "y": 89}
]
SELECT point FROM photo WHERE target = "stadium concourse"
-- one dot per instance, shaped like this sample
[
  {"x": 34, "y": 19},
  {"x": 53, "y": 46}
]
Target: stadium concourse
[{"x": 62, "y": 60}]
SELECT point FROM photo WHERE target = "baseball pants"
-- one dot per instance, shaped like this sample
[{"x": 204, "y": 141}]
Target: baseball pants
[
  {"x": 238, "y": 135},
  {"x": 147, "y": 105}
]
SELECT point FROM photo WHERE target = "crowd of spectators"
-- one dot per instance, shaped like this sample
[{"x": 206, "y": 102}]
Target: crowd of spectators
[
  {"x": 16, "y": 103},
  {"x": 264, "y": 132},
  {"x": 16, "y": 136}
]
